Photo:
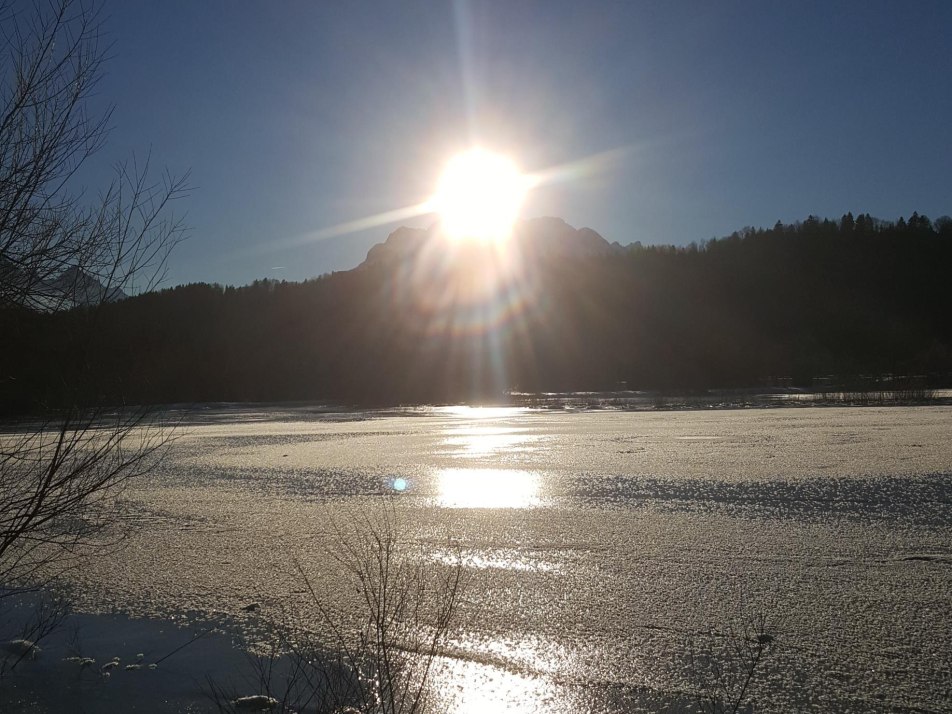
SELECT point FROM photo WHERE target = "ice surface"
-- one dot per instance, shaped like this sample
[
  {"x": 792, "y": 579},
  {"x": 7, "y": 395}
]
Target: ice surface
[{"x": 600, "y": 546}]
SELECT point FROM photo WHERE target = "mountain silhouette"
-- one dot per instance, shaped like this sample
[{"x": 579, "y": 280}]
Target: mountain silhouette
[
  {"x": 534, "y": 239},
  {"x": 856, "y": 301},
  {"x": 79, "y": 287},
  {"x": 72, "y": 287}
]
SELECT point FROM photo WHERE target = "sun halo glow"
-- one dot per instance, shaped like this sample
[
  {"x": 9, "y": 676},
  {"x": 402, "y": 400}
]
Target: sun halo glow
[{"x": 479, "y": 196}]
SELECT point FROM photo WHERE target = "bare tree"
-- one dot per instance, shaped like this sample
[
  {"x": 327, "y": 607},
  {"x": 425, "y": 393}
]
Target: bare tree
[
  {"x": 407, "y": 608},
  {"x": 57, "y": 248},
  {"x": 64, "y": 247}
]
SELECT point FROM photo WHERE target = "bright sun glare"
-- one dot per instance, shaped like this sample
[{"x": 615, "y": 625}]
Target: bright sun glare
[{"x": 479, "y": 196}]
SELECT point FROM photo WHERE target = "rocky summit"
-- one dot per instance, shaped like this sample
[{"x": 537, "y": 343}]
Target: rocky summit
[{"x": 534, "y": 237}]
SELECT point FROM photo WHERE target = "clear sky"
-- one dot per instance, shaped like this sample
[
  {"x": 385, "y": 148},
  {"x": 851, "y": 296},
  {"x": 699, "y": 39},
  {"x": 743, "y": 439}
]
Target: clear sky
[{"x": 296, "y": 116}]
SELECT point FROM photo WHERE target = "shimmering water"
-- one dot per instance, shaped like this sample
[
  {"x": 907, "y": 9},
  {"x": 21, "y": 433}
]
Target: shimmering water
[{"x": 600, "y": 547}]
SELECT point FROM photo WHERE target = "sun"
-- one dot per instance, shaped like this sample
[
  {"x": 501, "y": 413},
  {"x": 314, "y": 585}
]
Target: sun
[{"x": 479, "y": 196}]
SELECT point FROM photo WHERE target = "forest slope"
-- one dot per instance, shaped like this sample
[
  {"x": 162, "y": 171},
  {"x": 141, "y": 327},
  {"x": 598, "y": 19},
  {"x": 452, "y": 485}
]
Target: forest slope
[{"x": 570, "y": 311}]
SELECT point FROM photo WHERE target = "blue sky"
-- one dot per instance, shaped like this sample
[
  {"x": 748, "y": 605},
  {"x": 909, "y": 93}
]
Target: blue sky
[{"x": 295, "y": 116}]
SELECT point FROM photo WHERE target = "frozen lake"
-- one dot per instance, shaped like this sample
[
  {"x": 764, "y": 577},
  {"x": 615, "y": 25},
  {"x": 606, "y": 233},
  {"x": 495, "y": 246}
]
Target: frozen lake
[{"x": 599, "y": 546}]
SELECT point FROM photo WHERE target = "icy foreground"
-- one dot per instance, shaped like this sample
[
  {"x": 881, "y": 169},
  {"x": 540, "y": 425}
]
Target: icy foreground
[{"x": 598, "y": 544}]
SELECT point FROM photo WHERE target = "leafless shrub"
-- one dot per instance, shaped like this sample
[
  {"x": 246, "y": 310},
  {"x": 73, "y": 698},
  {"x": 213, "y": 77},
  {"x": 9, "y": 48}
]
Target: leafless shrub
[
  {"x": 726, "y": 664},
  {"x": 378, "y": 658}
]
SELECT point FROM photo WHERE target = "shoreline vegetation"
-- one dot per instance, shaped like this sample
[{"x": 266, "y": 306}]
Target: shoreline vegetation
[
  {"x": 885, "y": 395},
  {"x": 182, "y": 415}
]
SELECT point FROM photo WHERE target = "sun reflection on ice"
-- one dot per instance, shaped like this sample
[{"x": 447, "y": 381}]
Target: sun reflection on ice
[
  {"x": 485, "y": 440},
  {"x": 488, "y": 488},
  {"x": 477, "y": 438},
  {"x": 470, "y": 412},
  {"x": 499, "y": 693},
  {"x": 497, "y": 558},
  {"x": 475, "y": 688},
  {"x": 504, "y": 677}
]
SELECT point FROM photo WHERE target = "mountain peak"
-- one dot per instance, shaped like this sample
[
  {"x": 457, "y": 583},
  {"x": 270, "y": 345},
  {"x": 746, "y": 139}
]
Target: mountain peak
[{"x": 532, "y": 237}]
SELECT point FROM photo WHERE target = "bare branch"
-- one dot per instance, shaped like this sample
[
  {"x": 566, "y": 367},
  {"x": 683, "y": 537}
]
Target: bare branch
[{"x": 55, "y": 251}]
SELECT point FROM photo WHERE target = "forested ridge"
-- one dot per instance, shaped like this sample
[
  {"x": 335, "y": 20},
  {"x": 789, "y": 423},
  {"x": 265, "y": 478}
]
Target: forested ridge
[{"x": 853, "y": 297}]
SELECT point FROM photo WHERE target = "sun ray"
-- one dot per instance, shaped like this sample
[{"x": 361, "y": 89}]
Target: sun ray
[
  {"x": 579, "y": 168},
  {"x": 354, "y": 226},
  {"x": 569, "y": 171}
]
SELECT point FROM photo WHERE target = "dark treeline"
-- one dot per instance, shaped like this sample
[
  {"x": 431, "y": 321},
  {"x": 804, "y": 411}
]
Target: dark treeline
[{"x": 848, "y": 298}]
